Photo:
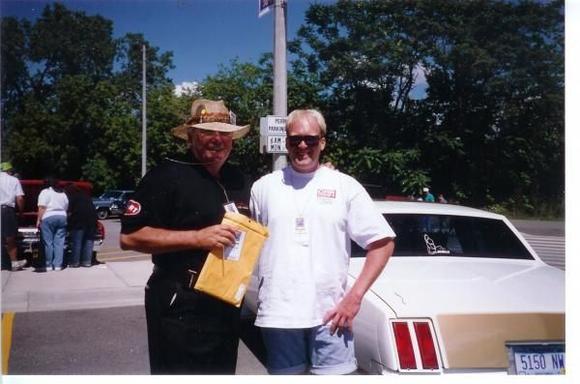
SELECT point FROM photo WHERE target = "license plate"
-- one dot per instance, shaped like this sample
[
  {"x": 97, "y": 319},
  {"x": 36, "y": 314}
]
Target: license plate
[{"x": 537, "y": 358}]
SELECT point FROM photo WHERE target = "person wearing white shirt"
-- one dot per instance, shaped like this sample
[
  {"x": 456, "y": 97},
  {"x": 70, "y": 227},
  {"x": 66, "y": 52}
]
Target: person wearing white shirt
[
  {"x": 12, "y": 200},
  {"x": 312, "y": 213},
  {"x": 51, "y": 219}
]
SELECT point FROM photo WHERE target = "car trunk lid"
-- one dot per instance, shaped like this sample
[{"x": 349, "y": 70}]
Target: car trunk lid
[{"x": 476, "y": 305}]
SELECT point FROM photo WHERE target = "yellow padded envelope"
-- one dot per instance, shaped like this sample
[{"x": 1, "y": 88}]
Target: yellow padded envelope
[{"x": 226, "y": 272}]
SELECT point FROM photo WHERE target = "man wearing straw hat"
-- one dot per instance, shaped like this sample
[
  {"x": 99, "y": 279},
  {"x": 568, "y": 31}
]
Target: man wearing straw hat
[{"x": 175, "y": 215}]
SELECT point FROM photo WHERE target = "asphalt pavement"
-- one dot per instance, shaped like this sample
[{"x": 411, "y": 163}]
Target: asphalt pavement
[
  {"x": 540, "y": 227},
  {"x": 74, "y": 291}
]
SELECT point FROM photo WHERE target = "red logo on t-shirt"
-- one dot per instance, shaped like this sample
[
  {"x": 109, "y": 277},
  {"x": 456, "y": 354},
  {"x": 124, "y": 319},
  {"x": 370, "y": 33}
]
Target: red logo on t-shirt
[
  {"x": 133, "y": 208},
  {"x": 326, "y": 193}
]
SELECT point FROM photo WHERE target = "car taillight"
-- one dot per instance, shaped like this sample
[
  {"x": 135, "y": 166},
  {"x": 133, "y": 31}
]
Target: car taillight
[
  {"x": 404, "y": 346},
  {"x": 415, "y": 345},
  {"x": 100, "y": 230},
  {"x": 426, "y": 346}
]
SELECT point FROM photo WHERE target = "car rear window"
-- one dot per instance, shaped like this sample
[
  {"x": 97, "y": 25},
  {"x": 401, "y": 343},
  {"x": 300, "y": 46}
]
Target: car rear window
[
  {"x": 446, "y": 235},
  {"x": 111, "y": 195}
]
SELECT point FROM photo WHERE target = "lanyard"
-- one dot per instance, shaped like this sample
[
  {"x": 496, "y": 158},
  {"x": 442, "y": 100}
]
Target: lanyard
[{"x": 301, "y": 235}]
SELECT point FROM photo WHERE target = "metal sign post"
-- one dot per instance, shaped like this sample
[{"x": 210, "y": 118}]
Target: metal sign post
[
  {"x": 280, "y": 75},
  {"x": 144, "y": 116}
]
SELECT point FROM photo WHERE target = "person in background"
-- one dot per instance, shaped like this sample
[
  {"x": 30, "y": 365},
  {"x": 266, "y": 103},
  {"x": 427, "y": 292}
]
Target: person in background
[
  {"x": 82, "y": 225},
  {"x": 312, "y": 212},
  {"x": 428, "y": 196},
  {"x": 12, "y": 200},
  {"x": 175, "y": 214},
  {"x": 51, "y": 220},
  {"x": 441, "y": 199}
]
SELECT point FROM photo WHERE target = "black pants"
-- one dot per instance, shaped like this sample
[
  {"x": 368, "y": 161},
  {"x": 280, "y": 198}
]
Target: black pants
[
  {"x": 9, "y": 222},
  {"x": 189, "y": 332}
]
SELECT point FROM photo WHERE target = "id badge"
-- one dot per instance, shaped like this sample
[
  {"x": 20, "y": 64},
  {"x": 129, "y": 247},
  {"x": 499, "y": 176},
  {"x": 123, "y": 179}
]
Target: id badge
[
  {"x": 231, "y": 207},
  {"x": 300, "y": 231}
]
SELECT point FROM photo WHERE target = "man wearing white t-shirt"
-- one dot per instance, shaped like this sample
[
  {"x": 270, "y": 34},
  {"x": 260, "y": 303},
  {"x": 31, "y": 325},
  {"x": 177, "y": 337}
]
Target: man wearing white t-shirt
[
  {"x": 12, "y": 200},
  {"x": 312, "y": 213}
]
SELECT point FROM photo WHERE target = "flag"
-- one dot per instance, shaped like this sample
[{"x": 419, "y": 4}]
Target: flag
[{"x": 264, "y": 6}]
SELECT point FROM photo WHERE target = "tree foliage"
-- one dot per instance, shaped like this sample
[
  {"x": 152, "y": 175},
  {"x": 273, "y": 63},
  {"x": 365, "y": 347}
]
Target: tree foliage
[
  {"x": 490, "y": 126},
  {"x": 486, "y": 130},
  {"x": 72, "y": 98}
]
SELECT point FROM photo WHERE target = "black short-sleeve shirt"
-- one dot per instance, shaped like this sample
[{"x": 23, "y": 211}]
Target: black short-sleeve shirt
[{"x": 182, "y": 195}]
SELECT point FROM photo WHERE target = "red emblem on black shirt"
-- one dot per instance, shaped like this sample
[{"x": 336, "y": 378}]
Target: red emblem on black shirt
[{"x": 133, "y": 208}]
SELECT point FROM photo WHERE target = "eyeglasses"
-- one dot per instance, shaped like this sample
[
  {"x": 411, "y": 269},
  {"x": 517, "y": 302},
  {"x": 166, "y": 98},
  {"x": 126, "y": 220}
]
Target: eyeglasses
[{"x": 310, "y": 141}]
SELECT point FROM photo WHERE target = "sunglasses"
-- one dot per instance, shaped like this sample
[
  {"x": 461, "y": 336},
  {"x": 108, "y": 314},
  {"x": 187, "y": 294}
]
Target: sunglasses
[{"x": 310, "y": 141}]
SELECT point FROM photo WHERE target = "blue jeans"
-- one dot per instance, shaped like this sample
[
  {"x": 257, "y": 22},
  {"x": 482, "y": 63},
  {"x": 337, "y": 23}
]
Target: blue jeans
[
  {"x": 299, "y": 350},
  {"x": 53, "y": 233},
  {"x": 82, "y": 241}
]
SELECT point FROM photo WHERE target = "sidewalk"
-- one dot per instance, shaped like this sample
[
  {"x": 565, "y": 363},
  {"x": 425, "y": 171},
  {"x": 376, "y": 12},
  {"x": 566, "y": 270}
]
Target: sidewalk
[{"x": 112, "y": 284}]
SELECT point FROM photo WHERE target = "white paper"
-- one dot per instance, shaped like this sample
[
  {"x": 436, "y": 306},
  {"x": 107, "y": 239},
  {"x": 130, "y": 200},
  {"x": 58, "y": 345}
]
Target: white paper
[{"x": 234, "y": 252}]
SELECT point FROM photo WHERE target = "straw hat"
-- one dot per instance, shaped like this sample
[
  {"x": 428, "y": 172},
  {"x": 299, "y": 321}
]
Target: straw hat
[{"x": 213, "y": 116}]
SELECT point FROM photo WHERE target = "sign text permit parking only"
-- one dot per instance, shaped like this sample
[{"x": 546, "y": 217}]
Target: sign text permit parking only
[{"x": 273, "y": 134}]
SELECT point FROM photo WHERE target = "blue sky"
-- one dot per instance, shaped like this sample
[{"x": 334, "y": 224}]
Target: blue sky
[{"x": 202, "y": 34}]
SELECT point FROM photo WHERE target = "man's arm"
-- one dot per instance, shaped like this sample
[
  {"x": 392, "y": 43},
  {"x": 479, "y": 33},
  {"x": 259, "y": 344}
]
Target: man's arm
[
  {"x": 20, "y": 203},
  {"x": 159, "y": 240},
  {"x": 342, "y": 316}
]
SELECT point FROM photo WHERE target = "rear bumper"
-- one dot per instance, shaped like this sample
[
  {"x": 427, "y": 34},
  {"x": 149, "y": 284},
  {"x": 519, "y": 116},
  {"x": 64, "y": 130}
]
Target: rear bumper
[{"x": 28, "y": 241}]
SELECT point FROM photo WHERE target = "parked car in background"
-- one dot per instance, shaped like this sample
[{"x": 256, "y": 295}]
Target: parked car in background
[
  {"x": 463, "y": 293},
  {"x": 28, "y": 238},
  {"x": 112, "y": 203}
]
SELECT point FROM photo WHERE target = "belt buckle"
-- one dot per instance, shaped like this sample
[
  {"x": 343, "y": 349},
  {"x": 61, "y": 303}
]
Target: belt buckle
[{"x": 192, "y": 278}]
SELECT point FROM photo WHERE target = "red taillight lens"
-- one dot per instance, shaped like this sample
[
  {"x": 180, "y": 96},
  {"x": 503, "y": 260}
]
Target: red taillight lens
[
  {"x": 100, "y": 230},
  {"x": 426, "y": 345},
  {"x": 404, "y": 346}
]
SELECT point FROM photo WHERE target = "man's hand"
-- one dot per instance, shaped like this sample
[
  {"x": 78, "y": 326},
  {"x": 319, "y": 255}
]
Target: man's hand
[
  {"x": 161, "y": 240},
  {"x": 342, "y": 316},
  {"x": 216, "y": 236}
]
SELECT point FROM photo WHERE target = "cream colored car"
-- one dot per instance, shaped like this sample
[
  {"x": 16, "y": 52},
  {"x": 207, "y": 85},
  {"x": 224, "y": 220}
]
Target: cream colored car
[{"x": 463, "y": 293}]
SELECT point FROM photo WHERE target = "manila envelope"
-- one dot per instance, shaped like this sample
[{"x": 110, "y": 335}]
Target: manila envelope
[{"x": 227, "y": 271}]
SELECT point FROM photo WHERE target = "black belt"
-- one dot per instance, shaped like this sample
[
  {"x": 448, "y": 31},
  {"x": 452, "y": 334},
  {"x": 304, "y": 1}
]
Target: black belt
[{"x": 187, "y": 277}]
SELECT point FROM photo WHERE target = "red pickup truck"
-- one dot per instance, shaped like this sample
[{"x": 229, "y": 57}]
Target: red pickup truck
[{"x": 28, "y": 238}]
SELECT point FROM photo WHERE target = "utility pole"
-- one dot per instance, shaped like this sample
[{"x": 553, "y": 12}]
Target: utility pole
[
  {"x": 280, "y": 76},
  {"x": 144, "y": 116}
]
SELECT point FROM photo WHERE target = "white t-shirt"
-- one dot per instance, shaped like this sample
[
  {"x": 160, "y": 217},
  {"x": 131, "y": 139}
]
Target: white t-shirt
[
  {"x": 311, "y": 218},
  {"x": 10, "y": 188},
  {"x": 56, "y": 203}
]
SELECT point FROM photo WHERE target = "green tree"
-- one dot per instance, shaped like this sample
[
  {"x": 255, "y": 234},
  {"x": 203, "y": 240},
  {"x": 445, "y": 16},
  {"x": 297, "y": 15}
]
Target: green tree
[
  {"x": 14, "y": 74},
  {"x": 63, "y": 42},
  {"x": 72, "y": 98},
  {"x": 495, "y": 74},
  {"x": 490, "y": 127},
  {"x": 367, "y": 56},
  {"x": 61, "y": 58}
]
